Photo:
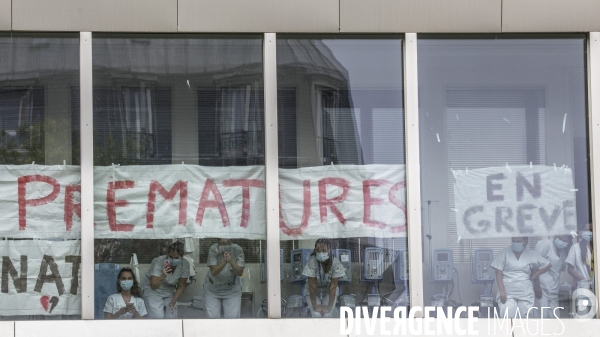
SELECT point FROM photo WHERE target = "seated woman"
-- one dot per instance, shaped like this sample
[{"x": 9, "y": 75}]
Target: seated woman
[
  {"x": 127, "y": 302},
  {"x": 516, "y": 268},
  {"x": 323, "y": 272},
  {"x": 580, "y": 263}
]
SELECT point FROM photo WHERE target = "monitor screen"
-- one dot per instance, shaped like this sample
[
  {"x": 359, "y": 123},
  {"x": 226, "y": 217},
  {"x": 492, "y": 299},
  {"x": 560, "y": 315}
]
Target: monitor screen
[
  {"x": 485, "y": 257},
  {"x": 442, "y": 257}
]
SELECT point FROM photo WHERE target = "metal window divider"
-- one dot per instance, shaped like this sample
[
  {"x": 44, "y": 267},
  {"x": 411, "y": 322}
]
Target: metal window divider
[
  {"x": 593, "y": 110},
  {"x": 86, "y": 133},
  {"x": 271, "y": 174},
  {"x": 413, "y": 174}
]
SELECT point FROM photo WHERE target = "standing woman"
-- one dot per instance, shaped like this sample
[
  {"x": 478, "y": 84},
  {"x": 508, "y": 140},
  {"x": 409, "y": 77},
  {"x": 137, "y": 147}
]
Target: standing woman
[
  {"x": 323, "y": 272},
  {"x": 165, "y": 281},
  {"x": 554, "y": 250},
  {"x": 127, "y": 302},
  {"x": 516, "y": 266},
  {"x": 580, "y": 261}
]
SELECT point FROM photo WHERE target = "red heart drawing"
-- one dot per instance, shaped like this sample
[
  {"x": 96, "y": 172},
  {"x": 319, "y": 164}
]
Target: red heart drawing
[{"x": 44, "y": 301}]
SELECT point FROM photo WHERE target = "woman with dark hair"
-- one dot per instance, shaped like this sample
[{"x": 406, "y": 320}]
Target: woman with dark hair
[
  {"x": 580, "y": 261},
  {"x": 127, "y": 302},
  {"x": 554, "y": 250},
  {"x": 165, "y": 281},
  {"x": 323, "y": 272}
]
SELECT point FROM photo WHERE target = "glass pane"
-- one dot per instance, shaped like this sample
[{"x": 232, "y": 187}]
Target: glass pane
[
  {"x": 504, "y": 171},
  {"x": 40, "y": 201},
  {"x": 342, "y": 174},
  {"x": 179, "y": 176}
]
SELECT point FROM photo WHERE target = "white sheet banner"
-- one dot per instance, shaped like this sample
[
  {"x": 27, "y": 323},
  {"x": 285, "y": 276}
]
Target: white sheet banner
[
  {"x": 175, "y": 201},
  {"x": 342, "y": 201},
  {"x": 40, "y": 277},
  {"x": 40, "y": 201},
  {"x": 514, "y": 201}
]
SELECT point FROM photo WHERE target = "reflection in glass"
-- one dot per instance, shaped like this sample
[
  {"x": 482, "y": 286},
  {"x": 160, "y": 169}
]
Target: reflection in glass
[
  {"x": 178, "y": 148},
  {"x": 41, "y": 249},
  {"x": 504, "y": 171},
  {"x": 341, "y": 145}
]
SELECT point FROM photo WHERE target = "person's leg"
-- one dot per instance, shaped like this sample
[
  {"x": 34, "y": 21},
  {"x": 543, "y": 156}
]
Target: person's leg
[
  {"x": 212, "y": 305},
  {"x": 508, "y": 309},
  {"x": 232, "y": 307},
  {"x": 154, "y": 306},
  {"x": 552, "y": 312},
  {"x": 168, "y": 312},
  {"x": 524, "y": 305}
]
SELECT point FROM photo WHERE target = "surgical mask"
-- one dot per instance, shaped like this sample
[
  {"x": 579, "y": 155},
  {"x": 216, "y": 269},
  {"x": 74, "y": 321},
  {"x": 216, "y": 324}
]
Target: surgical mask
[
  {"x": 518, "y": 246},
  {"x": 560, "y": 244},
  {"x": 126, "y": 284},
  {"x": 322, "y": 257},
  {"x": 174, "y": 262},
  {"x": 587, "y": 235},
  {"x": 226, "y": 248}
]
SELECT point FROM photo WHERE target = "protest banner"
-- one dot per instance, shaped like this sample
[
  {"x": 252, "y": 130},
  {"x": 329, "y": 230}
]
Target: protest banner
[
  {"x": 40, "y": 277},
  {"x": 514, "y": 201}
]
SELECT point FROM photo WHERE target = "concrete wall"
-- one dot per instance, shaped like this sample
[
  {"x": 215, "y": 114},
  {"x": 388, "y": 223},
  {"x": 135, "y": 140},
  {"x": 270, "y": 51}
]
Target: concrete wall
[{"x": 366, "y": 16}]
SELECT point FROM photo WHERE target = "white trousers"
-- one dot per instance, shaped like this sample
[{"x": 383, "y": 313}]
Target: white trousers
[
  {"x": 546, "y": 303},
  {"x": 231, "y": 306},
  {"x": 158, "y": 307},
  {"x": 511, "y": 306}
]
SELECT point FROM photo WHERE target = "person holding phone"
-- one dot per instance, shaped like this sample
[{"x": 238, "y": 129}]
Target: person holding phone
[
  {"x": 222, "y": 287},
  {"x": 127, "y": 302},
  {"x": 165, "y": 281}
]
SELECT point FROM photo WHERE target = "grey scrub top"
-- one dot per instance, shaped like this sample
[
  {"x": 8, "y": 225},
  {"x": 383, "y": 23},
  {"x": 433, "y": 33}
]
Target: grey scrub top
[
  {"x": 167, "y": 288},
  {"x": 314, "y": 269},
  {"x": 226, "y": 284}
]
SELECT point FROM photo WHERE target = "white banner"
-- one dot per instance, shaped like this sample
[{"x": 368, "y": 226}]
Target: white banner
[
  {"x": 514, "y": 201},
  {"x": 40, "y": 277},
  {"x": 40, "y": 201},
  {"x": 176, "y": 201},
  {"x": 342, "y": 201}
]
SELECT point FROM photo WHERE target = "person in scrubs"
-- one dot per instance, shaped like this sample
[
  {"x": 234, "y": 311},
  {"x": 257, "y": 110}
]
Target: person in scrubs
[
  {"x": 127, "y": 302},
  {"x": 165, "y": 281},
  {"x": 516, "y": 266},
  {"x": 323, "y": 272},
  {"x": 554, "y": 250},
  {"x": 580, "y": 261},
  {"x": 222, "y": 288}
]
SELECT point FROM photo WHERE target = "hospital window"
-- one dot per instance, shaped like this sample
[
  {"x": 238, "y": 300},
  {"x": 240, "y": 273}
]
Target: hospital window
[
  {"x": 342, "y": 100},
  {"x": 504, "y": 172}
]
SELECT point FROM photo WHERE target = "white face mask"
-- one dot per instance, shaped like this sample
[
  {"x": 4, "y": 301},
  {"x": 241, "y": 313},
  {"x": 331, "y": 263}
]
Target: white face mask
[
  {"x": 560, "y": 244},
  {"x": 518, "y": 247},
  {"x": 587, "y": 235},
  {"x": 322, "y": 257}
]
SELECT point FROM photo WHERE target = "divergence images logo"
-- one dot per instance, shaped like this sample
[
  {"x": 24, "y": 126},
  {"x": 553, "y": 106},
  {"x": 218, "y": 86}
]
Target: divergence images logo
[{"x": 584, "y": 304}]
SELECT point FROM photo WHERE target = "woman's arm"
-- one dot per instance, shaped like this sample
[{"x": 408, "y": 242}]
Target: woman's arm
[
  {"x": 574, "y": 273},
  {"x": 156, "y": 281},
  {"x": 500, "y": 282},
  {"x": 539, "y": 272},
  {"x": 182, "y": 284},
  {"x": 312, "y": 289},
  {"x": 216, "y": 269}
]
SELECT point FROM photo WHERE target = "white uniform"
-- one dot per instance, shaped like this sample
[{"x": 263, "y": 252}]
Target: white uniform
[
  {"x": 516, "y": 276},
  {"x": 157, "y": 300},
  {"x": 314, "y": 269},
  {"x": 224, "y": 290},
  {"x": 550, "y": 280},
  {"x": 115, "y": 302},
  {"x": 574, "y": 259}
]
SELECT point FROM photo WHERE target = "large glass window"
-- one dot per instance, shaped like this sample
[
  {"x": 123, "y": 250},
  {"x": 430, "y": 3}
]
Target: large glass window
[
  {"x": 504, "y": 172},
  {"x": 39, "y": 186},
  {"x": 179, "y": 176},
  {"x": 342, "y": 175}
]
